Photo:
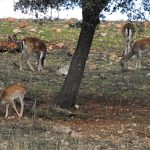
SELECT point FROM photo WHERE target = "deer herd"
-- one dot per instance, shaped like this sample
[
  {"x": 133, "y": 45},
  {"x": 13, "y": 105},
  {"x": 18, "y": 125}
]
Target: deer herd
[
  {"x": 31, "y": 45},
  {"x": 132, "y": 47}
]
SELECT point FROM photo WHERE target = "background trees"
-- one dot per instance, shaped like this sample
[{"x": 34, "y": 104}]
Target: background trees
[{"x": 91, "y": 11}]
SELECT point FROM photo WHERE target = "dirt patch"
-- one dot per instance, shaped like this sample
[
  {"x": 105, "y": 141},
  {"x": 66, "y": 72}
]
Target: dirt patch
[{"x": 111, "y": 127}]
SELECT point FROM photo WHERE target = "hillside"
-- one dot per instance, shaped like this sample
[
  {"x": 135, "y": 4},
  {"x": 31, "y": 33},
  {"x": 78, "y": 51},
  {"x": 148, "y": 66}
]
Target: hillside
[{"x": 114, "y": 106}]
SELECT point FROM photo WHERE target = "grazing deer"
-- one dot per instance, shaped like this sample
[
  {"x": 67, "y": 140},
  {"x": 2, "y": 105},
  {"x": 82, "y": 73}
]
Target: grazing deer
[
  {"x": 128, "y": 32},
  {"x": 32, "y": 45},
  {"x": 9, "y": 46},
  {"x": 137, "y": 49},
  {"x": 15, "y": 91}
]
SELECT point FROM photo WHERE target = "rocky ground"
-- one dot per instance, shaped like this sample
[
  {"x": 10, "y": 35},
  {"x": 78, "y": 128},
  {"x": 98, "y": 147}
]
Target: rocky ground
[{"x": 114, "y": 107}]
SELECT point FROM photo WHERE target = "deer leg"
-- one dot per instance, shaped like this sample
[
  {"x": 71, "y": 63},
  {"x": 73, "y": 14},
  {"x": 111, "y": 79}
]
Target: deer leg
[
  {"x": 30, "y": 66},
  {"x": 23, "y": 57},
  {"x": 14, "y": 106},
  {"x": 22, "y": 105},
  {"x": 126, "y": 46},
  {"x": 28, "y": 62},
  {"x": 129, "y": 46},
  {"x": 126, "y": 50},
  {"x": 21, "y": 61},
  {"x": 138, "y": 61},
  {"x": 43, "y": 58},
  {"x": 41, "y": 61},
  {"x": 7, "y": 107},
  {"x": 40, "y": 65}
]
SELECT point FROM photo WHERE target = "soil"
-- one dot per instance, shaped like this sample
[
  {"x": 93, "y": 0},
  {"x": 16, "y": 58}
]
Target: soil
[{"x": 112, "y": 122}]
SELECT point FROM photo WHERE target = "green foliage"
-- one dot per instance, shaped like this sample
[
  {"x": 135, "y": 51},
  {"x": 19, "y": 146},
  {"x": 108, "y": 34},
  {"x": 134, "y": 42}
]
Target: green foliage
[
  {"x": 42, "y": 6},
  {"x": 128, "y": 7}
]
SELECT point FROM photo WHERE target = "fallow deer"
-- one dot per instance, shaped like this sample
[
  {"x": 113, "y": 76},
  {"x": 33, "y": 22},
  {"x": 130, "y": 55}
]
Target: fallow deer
[
  {"x": 9, "y": 46},
  {"x": 128, "y": 32},
  {"x": 30, "y": 46},
  {"x": 139, "y": 47},
  {"x": 11, "y": 93}
]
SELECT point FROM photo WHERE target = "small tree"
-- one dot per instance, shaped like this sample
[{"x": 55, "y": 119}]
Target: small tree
[
  {"x": 67, "y": 95},
  {"x": 91, "y": 10}
]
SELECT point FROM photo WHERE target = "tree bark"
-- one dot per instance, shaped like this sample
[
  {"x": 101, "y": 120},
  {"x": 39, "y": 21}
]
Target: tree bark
[{"x": 67, "y": 96}]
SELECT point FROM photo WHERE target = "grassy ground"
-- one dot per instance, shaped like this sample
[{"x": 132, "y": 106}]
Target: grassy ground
[{"x": 117, "y": 103}]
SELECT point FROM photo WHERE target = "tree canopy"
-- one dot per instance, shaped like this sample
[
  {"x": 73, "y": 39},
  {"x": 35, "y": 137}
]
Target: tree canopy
[{"x": 134, "y": 9}]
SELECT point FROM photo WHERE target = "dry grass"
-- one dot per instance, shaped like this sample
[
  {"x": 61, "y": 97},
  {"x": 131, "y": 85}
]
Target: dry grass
[{"x": 119, "y": 102}]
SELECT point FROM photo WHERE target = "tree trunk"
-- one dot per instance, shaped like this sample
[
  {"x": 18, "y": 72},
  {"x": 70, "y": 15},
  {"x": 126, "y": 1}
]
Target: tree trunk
[{"x": 67, "y": 96}]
